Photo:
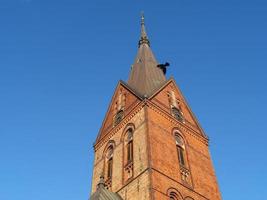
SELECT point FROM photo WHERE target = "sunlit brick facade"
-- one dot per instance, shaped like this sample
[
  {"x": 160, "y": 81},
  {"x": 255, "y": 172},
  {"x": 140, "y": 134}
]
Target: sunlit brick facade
[{"x": 150, "y": 145}]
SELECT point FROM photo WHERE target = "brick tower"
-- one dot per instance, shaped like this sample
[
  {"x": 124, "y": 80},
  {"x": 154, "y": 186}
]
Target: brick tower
[{"x": 150, "y": 145}]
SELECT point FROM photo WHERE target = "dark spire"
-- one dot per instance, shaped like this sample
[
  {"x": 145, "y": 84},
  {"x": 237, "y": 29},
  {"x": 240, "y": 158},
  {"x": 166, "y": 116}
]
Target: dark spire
[
  {"x": 145, "y": 76},
  {"x": 144, "y": 38}
]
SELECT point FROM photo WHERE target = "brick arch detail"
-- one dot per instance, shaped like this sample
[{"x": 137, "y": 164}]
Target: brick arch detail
[
  {"x": 175, "y": 192},
  {"x": 110, "y": 143},
  {"x": 177, "y": 131},
  {"x": 128, "y": 126}
]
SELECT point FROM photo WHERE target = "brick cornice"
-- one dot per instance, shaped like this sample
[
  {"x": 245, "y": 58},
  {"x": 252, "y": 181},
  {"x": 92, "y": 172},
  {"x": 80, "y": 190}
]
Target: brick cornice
[
  {"x": 166, "y": 107},
  {"x": 116, "y": 128},
  {"x": 120, "y": 84},
  {"x": 176, "y": 123},
  {"x": 156, "y": 108},
  {"x": 189, "y": 188}
]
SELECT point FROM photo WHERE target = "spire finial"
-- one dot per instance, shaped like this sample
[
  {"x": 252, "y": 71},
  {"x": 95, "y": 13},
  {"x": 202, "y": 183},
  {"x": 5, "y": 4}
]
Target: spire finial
[
  {"x": 142, "y": 18},
  {"x": 144, "y": 38}
]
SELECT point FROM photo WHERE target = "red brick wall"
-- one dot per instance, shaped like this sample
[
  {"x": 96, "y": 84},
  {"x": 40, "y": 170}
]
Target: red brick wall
[
  {"x": 156, "y": 168},
  {"x": 165, "y": 164}
]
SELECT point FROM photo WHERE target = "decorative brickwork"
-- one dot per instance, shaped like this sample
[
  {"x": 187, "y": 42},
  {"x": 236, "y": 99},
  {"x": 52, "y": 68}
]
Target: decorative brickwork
[{"x": 150, "y": 145}]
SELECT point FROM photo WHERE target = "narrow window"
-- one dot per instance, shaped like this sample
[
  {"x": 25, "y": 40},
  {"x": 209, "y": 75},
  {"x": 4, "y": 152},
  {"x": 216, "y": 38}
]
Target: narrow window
[
  {"x": 177, "y": 114},
  {"x": 109, "y": 162},
  {"x": 181, "y": 155},
  {"x": 129, "y": 145},
  {"x": 128, "y": 154},
  {"x": 180, "y": 149}
]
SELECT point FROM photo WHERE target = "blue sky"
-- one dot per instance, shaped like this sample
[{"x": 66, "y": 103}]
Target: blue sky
[{"x": 61, "y": 60}]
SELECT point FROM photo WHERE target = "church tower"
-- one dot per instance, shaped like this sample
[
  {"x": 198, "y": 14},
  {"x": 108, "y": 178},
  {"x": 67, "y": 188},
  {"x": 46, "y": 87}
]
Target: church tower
[{"x": 150, "y": 145}]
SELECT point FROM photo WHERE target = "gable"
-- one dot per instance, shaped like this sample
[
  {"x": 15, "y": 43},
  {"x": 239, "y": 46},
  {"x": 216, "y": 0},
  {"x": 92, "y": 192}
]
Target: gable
[
  {"x": 124, "y": 99},
  {"x": 171, "y": 96}
]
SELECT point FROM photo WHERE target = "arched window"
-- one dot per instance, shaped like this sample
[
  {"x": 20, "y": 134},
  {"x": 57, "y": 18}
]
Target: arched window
[
  {"x": 108, "y": 155},
  {"x": 180, "y": 149},
  {"x": 177, "y": 113},
  {"x": 118, "y": 117},
  {"x": 109, "y": 162},
  {"x": 128, "y": 155},
  {"x": 129, "y": 145}
]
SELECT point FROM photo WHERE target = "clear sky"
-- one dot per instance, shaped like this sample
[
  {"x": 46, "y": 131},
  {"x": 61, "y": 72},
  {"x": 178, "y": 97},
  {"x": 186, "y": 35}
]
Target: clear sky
[{"x": 61, "y": 60}]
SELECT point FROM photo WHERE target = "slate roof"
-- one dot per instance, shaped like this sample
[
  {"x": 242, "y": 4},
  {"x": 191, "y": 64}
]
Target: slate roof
[
  {"x": 145, "y": 77},
  {"x": 104, "y": 194}
]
